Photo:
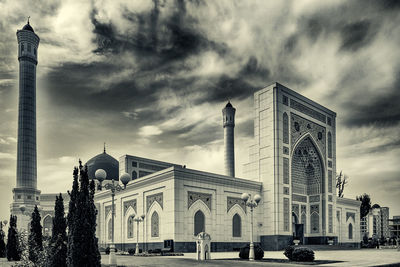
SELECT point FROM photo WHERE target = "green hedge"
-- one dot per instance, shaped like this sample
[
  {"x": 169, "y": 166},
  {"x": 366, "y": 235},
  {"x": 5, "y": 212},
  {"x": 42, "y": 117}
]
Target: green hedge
[
  {"x": 258, "y": 252},
  {"x": 299, "y": 253}
]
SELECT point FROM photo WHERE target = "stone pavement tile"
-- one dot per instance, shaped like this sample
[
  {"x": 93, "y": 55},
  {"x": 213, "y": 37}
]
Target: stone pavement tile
[{"x": 364, "y": 257}]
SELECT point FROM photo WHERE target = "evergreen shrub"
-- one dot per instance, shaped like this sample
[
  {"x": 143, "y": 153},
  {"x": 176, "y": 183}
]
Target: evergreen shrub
[{"x": 258, "y": 252}]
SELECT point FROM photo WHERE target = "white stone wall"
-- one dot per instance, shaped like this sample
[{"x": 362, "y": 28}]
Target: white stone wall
[
  {"x": 176, "y": 220},
  {"x": 345, "y": 207}
]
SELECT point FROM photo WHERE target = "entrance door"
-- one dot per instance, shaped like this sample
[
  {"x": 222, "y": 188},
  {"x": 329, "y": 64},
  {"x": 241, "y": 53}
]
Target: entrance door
[{"x": 300, "y": 232}]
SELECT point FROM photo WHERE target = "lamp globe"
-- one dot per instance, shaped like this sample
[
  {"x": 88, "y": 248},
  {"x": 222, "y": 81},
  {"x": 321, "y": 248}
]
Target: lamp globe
[
  {"x": 125, "y": 178},
  {"x": 100, "y": 175},
  {"x": 257, "y": 198},
  {"x": 245, "y": 196}
]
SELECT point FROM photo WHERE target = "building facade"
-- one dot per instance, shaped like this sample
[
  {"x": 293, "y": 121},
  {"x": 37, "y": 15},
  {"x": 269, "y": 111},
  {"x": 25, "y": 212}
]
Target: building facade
[
  {"x": 394, "y": 227},
  {"x": 376, "y": 223},
  {"x": 292, "y": 166},
  {"x": 294, "y": 157}
]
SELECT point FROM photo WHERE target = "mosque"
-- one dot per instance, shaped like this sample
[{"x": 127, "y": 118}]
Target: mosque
[{"x": 292, "y": 166}]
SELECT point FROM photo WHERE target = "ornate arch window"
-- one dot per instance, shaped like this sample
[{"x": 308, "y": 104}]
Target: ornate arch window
[
  {"x": 236, "y": 226},
  {"x": 130, "y": 226},
  {"x": 329, "y": 145},
  {"x": 22, "y": 48},
  {"x": 155, "y": 225},
  {"x": 47, "y": 225},
  {"x": 303, "y": 221},
  {"x": 134, "y": 175},
  {"x": 109, "y": 229},
  {"x": 199, "y": 222},
  {"x": 350, "y": 231},
  {"x": 285, "y": 120},
  {"x": 314, "y": 223}
]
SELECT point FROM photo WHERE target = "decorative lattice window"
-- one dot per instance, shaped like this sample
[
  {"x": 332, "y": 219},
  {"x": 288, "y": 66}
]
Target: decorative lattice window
[
  {"x": 285, "y": 214},
  {"x": 155, "y": 225},
  {"x": 129, "y": 227},
  {"x": 285, "y": 128},
  {"x": 236, "y": 226},
  {"x": 329, "y": 145},
  {"x": 330, "y": 220},
  {"x": 350, "y": 231},
  {"x": 285, "y": 170},
  {"x": 304, "y": 221},
  {"x": 199, "y": 222},
  {"x": 314, "y": 223}
]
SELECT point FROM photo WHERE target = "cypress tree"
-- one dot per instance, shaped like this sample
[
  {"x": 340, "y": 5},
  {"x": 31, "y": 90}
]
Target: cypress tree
[
  {"x": 2, "y": 243},
  {"x": 72, "y": 250},
  {"x": 93, "y": 224},
  {"x": 82, "y": 241},
  {"x": 58, "y": 243},
  {"x": 13, "y": 250},
  {"x": 35, "y": 239}
]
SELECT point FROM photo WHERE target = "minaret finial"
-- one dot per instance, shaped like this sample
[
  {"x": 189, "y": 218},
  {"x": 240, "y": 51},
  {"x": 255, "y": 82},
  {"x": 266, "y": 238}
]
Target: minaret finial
[
  {"x": 29, "y": 18},
  {"x": 104, "y": 147}
]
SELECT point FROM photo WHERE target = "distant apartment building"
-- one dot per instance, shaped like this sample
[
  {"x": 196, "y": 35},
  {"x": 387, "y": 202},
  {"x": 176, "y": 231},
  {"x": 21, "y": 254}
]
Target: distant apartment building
[
  {"x": 394, "y": 227},
  {"x": 376, "y": 223}
]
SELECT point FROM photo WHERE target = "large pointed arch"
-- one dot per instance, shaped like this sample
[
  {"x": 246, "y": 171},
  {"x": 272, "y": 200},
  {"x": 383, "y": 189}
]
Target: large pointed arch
[{"x": 307, "y": 167}]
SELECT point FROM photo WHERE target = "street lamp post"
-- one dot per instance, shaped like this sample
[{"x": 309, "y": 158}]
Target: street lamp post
[
  {"x": 101, "y": 175},
  {"x": 137, "y": 220},
  {"x": 252, "y": 203}
]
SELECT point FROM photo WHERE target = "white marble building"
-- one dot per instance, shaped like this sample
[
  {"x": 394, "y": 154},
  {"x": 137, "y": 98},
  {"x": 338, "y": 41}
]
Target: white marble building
[{"x": 292, "y": 165}]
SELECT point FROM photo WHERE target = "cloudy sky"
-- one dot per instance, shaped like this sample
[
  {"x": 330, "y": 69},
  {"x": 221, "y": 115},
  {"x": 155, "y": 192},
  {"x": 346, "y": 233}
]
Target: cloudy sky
[{"x": 150, "y": 78}]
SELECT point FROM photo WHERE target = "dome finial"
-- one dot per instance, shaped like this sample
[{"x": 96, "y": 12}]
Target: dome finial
[
  {"x": 29, "y": 18},
  {"x": 104, "y": 147}
]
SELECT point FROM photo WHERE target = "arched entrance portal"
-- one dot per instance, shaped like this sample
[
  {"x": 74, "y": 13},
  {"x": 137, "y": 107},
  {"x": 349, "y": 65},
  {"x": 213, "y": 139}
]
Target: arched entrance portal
[{"x": 308, "y": 182}]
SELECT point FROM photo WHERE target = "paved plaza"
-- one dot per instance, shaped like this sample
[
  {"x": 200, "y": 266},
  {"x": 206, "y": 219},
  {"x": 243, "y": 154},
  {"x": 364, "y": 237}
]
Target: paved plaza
[{"x": 365, "y": 257}]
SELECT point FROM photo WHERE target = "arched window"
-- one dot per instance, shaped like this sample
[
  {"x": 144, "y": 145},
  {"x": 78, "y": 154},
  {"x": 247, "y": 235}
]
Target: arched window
[
  {"x": 329, "y": 145},
  {"x": 314, "y": 223},
  {"x": 29, "y": 48},
  {"x": 22, "y": 48},
  {"x": 155, "y": 225},
  {"x": 109, "y": 229},
  {"x": 303, "y": 221},
  {"x": 47, "y": 225},
  {"x": 199, "y": 222},
  {"x": 285, "y": 128},
  {"x": 134, "y": 175},
  {"x": 130, "y": 226},
  {"x": 236, "y": 226},
  {"x": 350, "y": 231}
]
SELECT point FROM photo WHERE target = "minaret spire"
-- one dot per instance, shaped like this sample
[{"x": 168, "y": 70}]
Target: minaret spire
[
  {"x": 29, "y": 18},
  {"x": 104, "y": 147},
  {"x": 26, "y": 195},
  {"x": 228, "y": 119}
]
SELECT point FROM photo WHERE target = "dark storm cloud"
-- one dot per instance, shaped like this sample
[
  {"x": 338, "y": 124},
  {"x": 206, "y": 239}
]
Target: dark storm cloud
[
  {"x": 159, "y": 45},
  {"x": 79, "y": 86},
  {"x": 381, "y": 110},
  {"x": 153, "y": 39},
  {"x": 355, "y": 30},
  {"x": 356, "y": 35}
]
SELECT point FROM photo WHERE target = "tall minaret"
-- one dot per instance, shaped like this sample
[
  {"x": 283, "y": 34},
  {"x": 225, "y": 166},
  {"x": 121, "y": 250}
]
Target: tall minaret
[
  {"x": 25, "y": 194},
  {"x": 228, "y": 114}
]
